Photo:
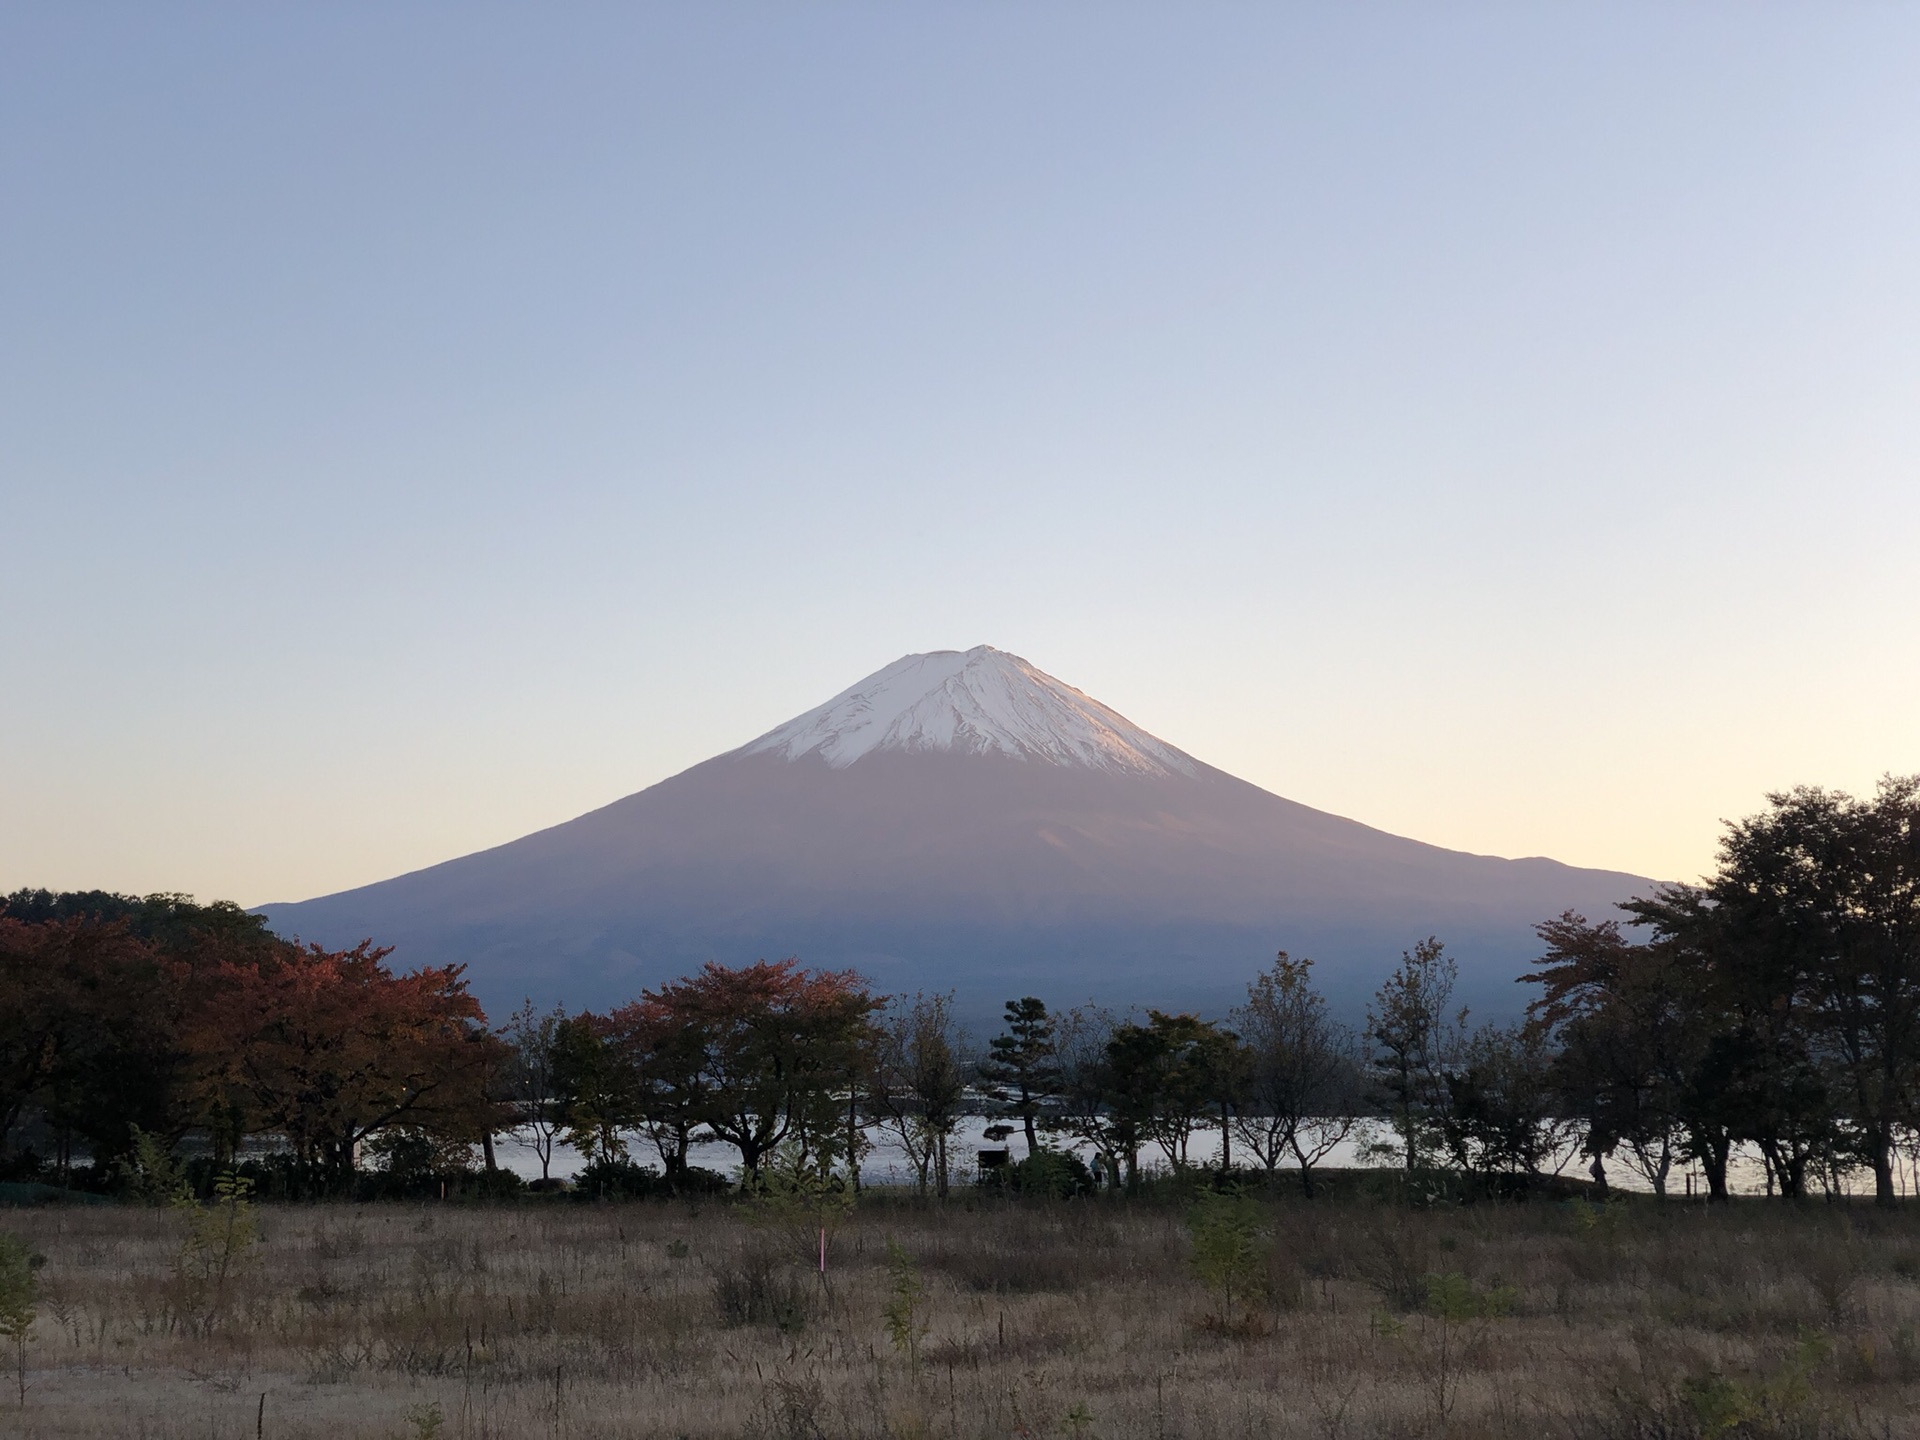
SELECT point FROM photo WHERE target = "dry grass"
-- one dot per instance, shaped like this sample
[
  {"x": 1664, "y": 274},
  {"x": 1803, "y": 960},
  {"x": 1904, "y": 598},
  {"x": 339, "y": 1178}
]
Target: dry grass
[{"x": 559, "y": 1319}]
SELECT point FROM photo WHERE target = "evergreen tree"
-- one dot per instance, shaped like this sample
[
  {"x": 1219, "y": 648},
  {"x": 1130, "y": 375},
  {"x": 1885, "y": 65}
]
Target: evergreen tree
[{"x": 1020, "y": 1063}]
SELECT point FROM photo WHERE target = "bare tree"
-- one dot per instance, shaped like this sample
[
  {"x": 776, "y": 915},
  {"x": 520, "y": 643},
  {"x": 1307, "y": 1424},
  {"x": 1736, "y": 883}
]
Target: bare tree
[
  {"x": 919, "y": 1083},
  {"x": 1303, "y": 1070},
  {"x": 1081, "y": 1037},
  {"x": 535, "y": 1080}
]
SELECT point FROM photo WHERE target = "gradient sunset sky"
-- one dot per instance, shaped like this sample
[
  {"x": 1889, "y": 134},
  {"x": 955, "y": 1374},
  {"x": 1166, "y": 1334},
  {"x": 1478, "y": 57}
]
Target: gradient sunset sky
[{"x": 421, "y": 424}]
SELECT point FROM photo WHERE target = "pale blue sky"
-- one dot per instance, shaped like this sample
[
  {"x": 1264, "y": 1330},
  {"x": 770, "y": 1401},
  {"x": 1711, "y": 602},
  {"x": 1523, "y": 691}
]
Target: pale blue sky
[{"x": 420, "y": 424}]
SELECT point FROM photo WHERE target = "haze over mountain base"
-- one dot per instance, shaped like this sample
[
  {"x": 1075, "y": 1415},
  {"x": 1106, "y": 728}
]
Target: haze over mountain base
[{"x": 961, "y": 821}]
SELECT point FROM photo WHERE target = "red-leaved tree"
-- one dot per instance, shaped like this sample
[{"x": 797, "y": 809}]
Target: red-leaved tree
[{"x": 329, "y": 1047}]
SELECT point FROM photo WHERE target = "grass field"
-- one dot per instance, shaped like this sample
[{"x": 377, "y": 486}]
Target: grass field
[{"x": 985, "y": 1319}]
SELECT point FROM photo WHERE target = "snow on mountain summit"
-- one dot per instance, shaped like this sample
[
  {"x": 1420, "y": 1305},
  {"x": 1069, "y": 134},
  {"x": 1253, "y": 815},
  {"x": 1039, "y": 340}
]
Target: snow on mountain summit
[{"x": 980, "y": 701}]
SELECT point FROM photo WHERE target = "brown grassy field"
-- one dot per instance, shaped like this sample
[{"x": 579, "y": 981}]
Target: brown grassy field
[{"x": 1070, "y": 1318}]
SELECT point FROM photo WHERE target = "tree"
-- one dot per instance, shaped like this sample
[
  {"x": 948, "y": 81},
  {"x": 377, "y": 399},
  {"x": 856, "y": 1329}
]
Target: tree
[
  {"x": 1414, "y": 1041},
  {"x": 18, "y": 1292},
  {"x": 534, "y": 1079},
  {"x": 599, "y": 1091},
  {"x": 1303, "y": 1067},
  {"x": 665, "y": 1057},
  {"x": 97, "y": 992},
  {"x": 1021, "y": 1064},
  {"x": 1081, "y": 1040},
  {"x": 1166, "y": 1077},
  {"x": 90, "y": 1017},
  {"x": 1502, "y": 1114},
  {"x": 1752, "y": 1073},
  {"x": 1681, "y": 1046},
  {"x": 1231, "y": 1248},
  {"x": 918, "y": 1082},
  {"x": 330, "y": 1047},
  {"x": 1821, "y": 893},
  {"x": 1631, "y": 1033},
  {"x": 783, "y": 1049}
]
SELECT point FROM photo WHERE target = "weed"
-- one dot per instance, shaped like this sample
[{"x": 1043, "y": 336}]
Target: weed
[{"x": 757, "y": 1289}]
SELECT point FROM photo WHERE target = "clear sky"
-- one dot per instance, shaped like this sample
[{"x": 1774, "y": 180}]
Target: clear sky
[{"x": 420, "y": 424}]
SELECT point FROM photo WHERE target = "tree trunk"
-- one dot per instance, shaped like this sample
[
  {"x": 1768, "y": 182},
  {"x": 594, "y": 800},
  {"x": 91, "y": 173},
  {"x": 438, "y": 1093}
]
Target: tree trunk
[
  {"x": 486, "y": 1149},
  {"x": 1713, "y": 1161},
  {"x": 940, "y": 1163},
  {"x": 1026, "y": 1114},
  {"x": 1226, "y": 1139},
  {"x": 853, "y": 1136},
  {"x": 1883, "y": 1192}
]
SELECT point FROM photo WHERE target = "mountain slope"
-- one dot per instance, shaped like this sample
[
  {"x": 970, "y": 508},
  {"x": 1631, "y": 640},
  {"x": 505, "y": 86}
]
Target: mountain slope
[{"x": 960, "y": 821}]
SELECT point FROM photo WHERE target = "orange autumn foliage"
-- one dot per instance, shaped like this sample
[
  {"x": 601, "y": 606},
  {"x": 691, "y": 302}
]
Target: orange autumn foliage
[{"x": 329, "y": 1047}]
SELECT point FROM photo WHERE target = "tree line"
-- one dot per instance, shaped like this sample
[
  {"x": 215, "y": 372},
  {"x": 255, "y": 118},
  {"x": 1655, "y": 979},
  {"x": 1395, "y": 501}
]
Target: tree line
[{"x": 1776, "y": 1004}]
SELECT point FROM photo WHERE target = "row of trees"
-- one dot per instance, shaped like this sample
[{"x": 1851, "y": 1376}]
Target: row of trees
[
  {"x": 1776, "y": 1004},
  {"x": 124, "y": 1019},
  {"x": 774, "y": 1058}
]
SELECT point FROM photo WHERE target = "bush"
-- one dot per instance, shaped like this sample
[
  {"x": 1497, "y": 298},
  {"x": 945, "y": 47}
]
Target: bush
[
  {"x": 697, "y": 1180},
  {"x": 1231, "y": 1248},
  {"x": 620, "y": 1180},
  {"x": 1045, "y": 1174}
]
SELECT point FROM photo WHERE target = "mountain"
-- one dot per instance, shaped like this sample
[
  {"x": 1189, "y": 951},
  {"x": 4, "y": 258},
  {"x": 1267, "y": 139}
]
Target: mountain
[{"x": 961, "y": 820}]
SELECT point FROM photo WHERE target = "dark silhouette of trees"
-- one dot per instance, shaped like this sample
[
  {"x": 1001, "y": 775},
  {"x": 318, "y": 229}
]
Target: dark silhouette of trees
[
  {"x": 1818, "y": 900},
  {"x": 1632, "y": 1033},
  {"x": 599, "y": 1091},
  {"x": 1502, "y": 1114},
  {"x": 1777, "y": 1003}
]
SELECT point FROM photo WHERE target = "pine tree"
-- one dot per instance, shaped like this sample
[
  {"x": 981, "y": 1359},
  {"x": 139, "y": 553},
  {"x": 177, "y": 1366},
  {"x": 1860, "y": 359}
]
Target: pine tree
[{"x": 1020, "y": 1063}]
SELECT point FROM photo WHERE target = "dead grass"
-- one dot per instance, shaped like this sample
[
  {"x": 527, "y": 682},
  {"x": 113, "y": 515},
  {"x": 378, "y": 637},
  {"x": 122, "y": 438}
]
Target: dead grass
[{"x": 654, "y": 1320}]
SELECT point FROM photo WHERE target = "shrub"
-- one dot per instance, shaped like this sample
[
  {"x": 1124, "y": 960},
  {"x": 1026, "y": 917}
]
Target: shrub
[
  {"x": 1230, "y": 1248},
  {"x": 1045, "y": 1174},
  {"x": 619, "y": 1179},
  {"x": 218, "y": 1242}
]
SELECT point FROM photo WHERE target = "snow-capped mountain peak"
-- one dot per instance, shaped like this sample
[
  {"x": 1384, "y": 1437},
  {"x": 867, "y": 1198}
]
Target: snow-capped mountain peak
[{"x": 979, "y": 701}]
